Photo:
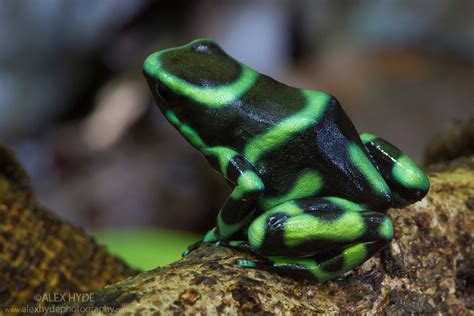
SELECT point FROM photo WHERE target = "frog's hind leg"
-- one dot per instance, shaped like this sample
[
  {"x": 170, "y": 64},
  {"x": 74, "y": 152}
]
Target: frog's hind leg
[
  {"x": 406, "y": 180},
  {"x": 326, "y": 236},
  {"x": 317, "y": 267}
]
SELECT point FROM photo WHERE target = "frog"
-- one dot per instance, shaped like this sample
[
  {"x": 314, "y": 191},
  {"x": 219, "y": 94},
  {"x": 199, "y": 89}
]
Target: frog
[{"x": 310, "y": 193}]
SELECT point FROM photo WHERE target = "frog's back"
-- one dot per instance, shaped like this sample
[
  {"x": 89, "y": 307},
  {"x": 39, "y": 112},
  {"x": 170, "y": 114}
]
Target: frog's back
[
  {"x": 300, "y": 141},
  {"x": 311, "y": 150}
]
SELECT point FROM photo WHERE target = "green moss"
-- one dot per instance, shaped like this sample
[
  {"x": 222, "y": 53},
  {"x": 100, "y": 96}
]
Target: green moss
[{"x": 145, "y": 248}]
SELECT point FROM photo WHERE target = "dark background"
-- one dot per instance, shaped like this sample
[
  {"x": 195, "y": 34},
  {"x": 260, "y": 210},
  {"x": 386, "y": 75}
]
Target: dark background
[{"x": 76, "y": 110}]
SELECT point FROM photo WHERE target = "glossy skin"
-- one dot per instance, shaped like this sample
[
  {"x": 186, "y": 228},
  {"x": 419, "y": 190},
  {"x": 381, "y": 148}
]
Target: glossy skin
[{"x": 309, "y": 191}]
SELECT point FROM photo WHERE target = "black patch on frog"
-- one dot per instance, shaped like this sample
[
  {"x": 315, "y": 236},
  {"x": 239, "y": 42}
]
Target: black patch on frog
[
  {"x": 321, "y": 208},
  {"x": 236, "y": 167},
  {"x": 203, "y": 64},
  {"x": 235, "y": 210},
  {"x": 373, "y": 221},
  {"x": 166, "y": 95},
  {"x": 322, "y": 147},
  {"x": 373, "y": 247},
  {"x": 334, "y": 265},
  {"x": 213, "y": 162},
  {"x": 294, "y": 272},
  {"x": 273, "y": 240},
  {"x": 232, "y": 172}
]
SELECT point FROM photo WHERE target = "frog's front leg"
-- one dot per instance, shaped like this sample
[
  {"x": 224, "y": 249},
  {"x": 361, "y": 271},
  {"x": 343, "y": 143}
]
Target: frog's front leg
[
  {"x": 406, "y": 180},
  {"x": 322, "y": 237},
  {"x": 241, "y": 203}
]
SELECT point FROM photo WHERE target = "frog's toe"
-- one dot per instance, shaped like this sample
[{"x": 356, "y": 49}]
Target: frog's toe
[
  {"x": 191, "y": 248},
  {"x": 406, "y": 179},
  {"x": 211, "y": 236},
  {"x": 246, "y": 263}
]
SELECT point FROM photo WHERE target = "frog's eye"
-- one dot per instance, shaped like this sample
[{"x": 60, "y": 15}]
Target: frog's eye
[
  {"x": 166, "y": 96},
  {"x": 164, "y": 92}
]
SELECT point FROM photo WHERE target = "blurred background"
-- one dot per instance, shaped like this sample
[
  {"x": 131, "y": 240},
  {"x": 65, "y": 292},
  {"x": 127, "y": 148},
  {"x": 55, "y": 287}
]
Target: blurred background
[{"x": 76, "y": 109}]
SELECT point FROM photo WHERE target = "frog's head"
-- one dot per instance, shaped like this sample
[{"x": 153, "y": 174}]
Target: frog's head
[{"x": 199, "y": 73}]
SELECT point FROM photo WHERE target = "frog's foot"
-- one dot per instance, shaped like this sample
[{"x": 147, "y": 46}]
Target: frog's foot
[
  {"x": 318, "y": 235},
  {"x": 406, "y": 180},
  {"x": 210, "y": 237},
  {"x": 315, "y": 267}
]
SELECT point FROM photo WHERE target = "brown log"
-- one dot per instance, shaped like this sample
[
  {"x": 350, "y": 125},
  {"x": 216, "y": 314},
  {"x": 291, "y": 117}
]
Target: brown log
[
  {"x": 39, "y": 253},
  {"x": 455, "y": 141},
  {"x": 428, "y": 268}
]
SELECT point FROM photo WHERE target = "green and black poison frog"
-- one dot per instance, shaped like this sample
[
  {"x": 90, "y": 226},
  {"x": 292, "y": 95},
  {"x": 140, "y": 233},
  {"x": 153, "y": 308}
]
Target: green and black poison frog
[{"x": 309, "y": 191}]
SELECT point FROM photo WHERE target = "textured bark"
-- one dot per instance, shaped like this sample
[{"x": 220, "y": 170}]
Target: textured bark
[
  {"x": 40, "y": 254},
  {"x": 456, "y": 141},
  {"x": 427, "y": 268}
]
